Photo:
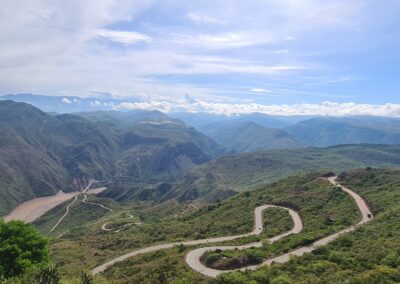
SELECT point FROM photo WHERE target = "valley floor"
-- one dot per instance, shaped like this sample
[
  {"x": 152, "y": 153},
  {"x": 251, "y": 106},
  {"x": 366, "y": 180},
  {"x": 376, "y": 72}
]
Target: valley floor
[{"x": 33, "y": 209}]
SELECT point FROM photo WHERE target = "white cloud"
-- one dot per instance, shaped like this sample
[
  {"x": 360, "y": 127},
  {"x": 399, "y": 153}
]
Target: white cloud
[
  {"x": 281, "y": 51},
  {"x": 124, "y": 37},
  {"x": 234, "y": 39},
  {"x": 95, "y": 103},
  {"x": 326, "y": 108},
  {"x": 206, "y": 48},
  {"x": 260, "y": 90},
  {"x": 205, "y": 19},
  {"x": 66, "y": 101}
]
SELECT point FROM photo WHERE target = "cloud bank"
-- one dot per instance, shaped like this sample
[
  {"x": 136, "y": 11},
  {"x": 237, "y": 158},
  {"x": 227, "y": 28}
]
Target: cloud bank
[{"x": 325, "y": 108}]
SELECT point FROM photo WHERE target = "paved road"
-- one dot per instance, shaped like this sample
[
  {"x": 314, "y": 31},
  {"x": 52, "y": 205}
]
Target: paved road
[
  {"x": 258, "y": 228},
  {"x": 119, "y": 228},
  {"x": 193, "y": 257}
]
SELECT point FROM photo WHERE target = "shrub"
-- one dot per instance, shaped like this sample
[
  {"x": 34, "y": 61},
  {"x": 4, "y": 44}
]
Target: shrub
[{"x": 22, "y": 248}]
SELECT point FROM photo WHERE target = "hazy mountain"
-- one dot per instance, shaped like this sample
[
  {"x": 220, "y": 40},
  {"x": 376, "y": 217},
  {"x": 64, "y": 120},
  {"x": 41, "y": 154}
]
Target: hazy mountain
[
  {"x": 243, "y": 136},
  {"x": 127, "y": 118},
  {"x": 207, "y": 122},
  {"x": 322, "y": 132},
  {"x": 228, "y": 175},
  {"x": 42, "y": 154}
]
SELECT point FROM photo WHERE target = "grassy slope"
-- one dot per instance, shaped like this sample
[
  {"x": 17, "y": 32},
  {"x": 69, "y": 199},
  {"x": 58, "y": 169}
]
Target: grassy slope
[
  {"x": 233, "y": 216},
  {"x": 246, "y": 171},
  {"x": 369, "y": 255},
  {"x": 80, "y": 215}
]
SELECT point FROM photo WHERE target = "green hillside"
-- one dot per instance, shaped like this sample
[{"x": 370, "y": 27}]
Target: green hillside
[
  {"x": 234, "y": 216},
  {"x": 364, "y": 256},
  {"x": 369, "y": 255},
  {"x": 227, "y": 175}
]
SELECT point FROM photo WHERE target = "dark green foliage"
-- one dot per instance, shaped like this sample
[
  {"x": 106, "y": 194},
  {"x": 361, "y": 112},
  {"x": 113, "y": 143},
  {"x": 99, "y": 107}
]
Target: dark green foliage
[
  {"x": 22, "y": 248},
  {"x": 182, "y": 248},
  {"x": 41, "y": 275},
  {"x": 86, "y": 278},
  {"x": 46, "y": 275}
]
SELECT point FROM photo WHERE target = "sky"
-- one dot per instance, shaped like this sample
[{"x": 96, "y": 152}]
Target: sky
[{"x": 272, "y": 56}]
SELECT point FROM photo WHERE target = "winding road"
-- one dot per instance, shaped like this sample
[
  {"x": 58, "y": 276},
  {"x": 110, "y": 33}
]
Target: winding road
[
  {"x": 193, "y": 257},
  {"x": 69, "y": 206},
  {"x": 118, "y": 229},
  {"x": 94, "y": 203}
]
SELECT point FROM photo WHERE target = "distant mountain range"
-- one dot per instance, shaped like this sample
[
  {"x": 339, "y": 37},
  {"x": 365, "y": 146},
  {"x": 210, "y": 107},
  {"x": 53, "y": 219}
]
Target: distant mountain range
[
  {"x": 207, "y": 122},
  {"x": 306, "y": 130},
  {"x": 67, "y": 104},
  {"x": 329, "y": 131},
  {"x": 42, "y": 154},
  {"x": 243, "y": 136},
  {"x": 149, "y": 155},
  {"x": 314, "y": 131}
]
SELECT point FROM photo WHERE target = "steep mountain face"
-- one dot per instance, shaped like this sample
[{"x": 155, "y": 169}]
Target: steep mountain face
[
  {"x": 156, "y": 147},
  {"x": 228, "y": 175},
  {"x": 323, "y": 132},
  {"x": 157, "y": 152},
  {"x": 251, "y": 137},
  {"x": 42, "y": 154},
  {"x": 164, "y": 151}
]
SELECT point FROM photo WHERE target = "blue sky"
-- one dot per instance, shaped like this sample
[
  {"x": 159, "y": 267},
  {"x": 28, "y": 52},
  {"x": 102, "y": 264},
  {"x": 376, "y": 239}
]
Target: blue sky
[{"x": 249, "y": 54}]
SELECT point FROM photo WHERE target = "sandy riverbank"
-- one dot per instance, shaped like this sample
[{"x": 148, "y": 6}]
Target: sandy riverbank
[{"x": 31, "y": 210}]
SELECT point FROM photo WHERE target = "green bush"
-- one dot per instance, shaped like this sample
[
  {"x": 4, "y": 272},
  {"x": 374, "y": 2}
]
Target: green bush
[{"x": 22, "y": 248}]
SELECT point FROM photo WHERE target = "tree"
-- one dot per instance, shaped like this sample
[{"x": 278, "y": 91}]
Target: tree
[
  {"x": 182, "y": 248},
  {"x": 163, "y": 274},
  {"x": 22, "y": 248},
  {"x": 86, "y": 278},
  {"x": 45, "y": 275}
]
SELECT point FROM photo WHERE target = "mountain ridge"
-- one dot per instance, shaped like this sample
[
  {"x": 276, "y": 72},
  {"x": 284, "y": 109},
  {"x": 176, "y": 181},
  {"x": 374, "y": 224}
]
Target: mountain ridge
[{"x": 42, "y": 153}]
